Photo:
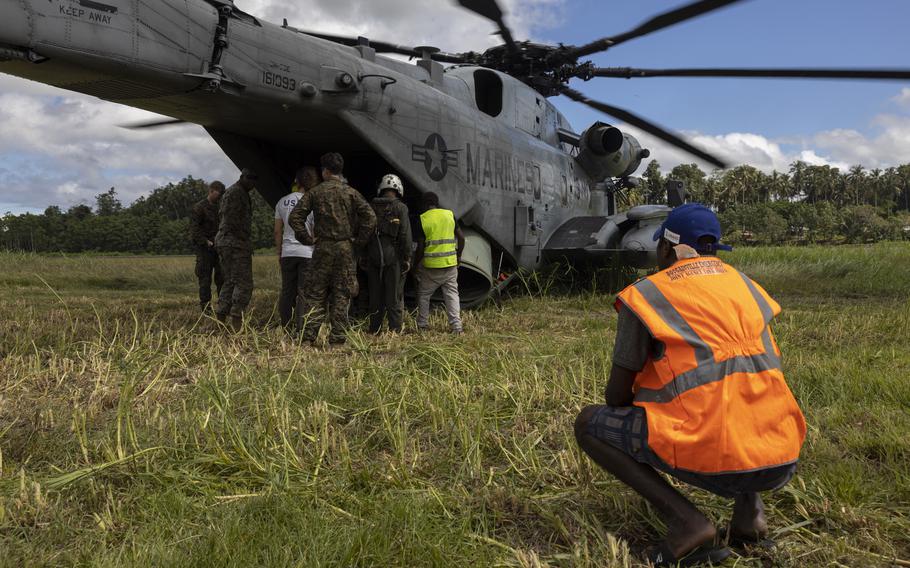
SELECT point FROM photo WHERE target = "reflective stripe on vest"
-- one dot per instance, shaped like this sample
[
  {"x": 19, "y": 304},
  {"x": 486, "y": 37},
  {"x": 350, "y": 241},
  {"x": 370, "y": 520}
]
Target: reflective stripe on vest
[
  {"x": 716, "y": 401},
  {"x": 440, "y": 245}
]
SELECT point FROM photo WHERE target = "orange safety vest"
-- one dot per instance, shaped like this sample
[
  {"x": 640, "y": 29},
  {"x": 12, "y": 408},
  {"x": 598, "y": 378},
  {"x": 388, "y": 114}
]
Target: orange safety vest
[{"x": 716, "y": 400}]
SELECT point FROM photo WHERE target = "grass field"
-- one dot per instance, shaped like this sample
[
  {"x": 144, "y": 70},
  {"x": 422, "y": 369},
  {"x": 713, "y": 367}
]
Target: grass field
[{"x": 132, "y": 433}]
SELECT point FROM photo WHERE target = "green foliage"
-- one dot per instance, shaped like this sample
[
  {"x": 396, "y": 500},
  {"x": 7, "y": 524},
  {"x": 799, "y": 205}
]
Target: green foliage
[
  {"x": 653, "y": 187},
  {"x": 809, "y": 204},
  {"x": 107, "y": 203},
  {"x": 153, "y": 224}
]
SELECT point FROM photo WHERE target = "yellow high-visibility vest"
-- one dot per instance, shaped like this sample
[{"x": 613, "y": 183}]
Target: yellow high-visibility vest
[{"x": 441, "y": 248}]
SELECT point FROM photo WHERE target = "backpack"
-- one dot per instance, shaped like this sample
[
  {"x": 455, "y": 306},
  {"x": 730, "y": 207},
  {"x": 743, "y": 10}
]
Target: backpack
[{"x": 381, "y": 247}]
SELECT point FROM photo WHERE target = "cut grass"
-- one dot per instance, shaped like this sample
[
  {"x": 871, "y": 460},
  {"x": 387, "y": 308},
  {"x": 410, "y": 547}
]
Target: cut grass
[{"x": 132, "y": 432}]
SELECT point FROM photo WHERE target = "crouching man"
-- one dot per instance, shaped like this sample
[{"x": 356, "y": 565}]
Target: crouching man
[{"x": 696, "y": 391}]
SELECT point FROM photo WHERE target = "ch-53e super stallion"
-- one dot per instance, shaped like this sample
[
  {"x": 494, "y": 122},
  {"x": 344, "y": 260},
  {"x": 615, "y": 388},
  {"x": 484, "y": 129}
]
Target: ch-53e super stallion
[{"x": 476, "y": 128}]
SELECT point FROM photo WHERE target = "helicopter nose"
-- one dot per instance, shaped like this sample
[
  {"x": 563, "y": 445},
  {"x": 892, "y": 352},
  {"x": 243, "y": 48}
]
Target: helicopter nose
[{"x": 14, "y": 23}]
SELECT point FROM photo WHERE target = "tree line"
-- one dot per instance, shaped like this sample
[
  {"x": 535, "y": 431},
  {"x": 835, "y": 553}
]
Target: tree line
[
  {"x": 155, "y": 224},
  {"x": 807, "y": 204}
]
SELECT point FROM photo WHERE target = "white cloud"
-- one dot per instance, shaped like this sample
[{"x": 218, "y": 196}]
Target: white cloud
[
  {"x": 887, "y": 145},
  {"x": 64, "y": 148},
  {"x": 428, "y": 22},
  {"x": 903, "y": 99}
]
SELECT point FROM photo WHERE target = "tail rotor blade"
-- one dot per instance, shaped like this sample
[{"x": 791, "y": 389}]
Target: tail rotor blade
[{"x": 644, "y": 125}]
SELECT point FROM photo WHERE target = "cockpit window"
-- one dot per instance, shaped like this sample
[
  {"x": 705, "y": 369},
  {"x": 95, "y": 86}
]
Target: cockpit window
[{"x": 488, "y": 92}]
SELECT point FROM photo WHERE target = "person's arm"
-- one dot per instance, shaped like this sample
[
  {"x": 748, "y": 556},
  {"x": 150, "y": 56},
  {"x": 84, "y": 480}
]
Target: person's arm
[
  {"x": 631, "y": 352},
  {"x": 405, "y": 240},
  {"x": 619, "y": 388},
  {"x": 366, "y": 219},
  {"x": 196, "y": 221},
  {"x": 421, "y": 244},
  {"x": 459, "y": 236},
  {"x": 298, "y": 220},
  {"x": 279, "y": 236},
  {"x": 232, "y": 213}
]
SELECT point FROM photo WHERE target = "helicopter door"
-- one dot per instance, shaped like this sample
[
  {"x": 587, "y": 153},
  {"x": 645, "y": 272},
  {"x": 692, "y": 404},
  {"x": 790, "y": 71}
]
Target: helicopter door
[
  {"x": 526, "y": 233},
  {"x": 529, "y": 117}
]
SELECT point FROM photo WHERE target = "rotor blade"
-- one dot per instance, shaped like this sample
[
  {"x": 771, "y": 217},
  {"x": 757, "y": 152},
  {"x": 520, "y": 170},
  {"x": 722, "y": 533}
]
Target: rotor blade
[
  {"x": 660, "y": 22},
  {"x": 153, "y": 124},
  {"x": 871, "y": 74},
  {"x": 643, "y": 124},
  {"x": 381, "y": 46},
  {"x": 490, "y": 9}
]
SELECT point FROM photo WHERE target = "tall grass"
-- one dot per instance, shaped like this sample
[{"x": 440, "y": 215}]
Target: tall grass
[{"x": 135, "y": 432}]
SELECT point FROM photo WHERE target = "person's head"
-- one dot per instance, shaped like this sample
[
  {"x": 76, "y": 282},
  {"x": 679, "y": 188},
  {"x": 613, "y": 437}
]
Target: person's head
[
  {"x": 429, "y": 201},
  {"x": 216, "y": 190},
  {"x": 248, "y": 179},
  {"x": 307, "y": 178},
  {"x": 693, "y": 225},
  {"x": 390, "y": 186},
  {"x": 332, "y": 165}
]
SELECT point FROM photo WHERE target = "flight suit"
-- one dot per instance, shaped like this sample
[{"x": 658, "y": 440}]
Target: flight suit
[
  {"x": 235, "y": 249},
  {"x": 203, "y": 228},
  {"x": 343, "y": 220},
  {"x": 387, "y": 252}
]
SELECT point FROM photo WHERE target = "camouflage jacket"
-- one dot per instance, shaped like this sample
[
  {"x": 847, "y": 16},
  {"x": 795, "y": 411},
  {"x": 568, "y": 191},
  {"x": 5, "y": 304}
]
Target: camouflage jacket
[
  {"x": 340, "y": 214},
  {"x": 235, "y": 225},
  {"x": 203, "y": 223}
]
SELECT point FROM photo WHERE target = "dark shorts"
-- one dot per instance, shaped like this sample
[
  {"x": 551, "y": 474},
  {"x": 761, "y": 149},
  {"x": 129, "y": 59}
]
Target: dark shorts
[{"x": 626, "y": 429}]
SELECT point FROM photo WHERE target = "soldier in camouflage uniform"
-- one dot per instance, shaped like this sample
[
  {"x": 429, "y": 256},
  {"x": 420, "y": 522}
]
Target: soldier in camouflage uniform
[
  {"x": 234, "y": 243},
  {"x": 203, "y": 228},
  {"x": 343, "y": 221}
]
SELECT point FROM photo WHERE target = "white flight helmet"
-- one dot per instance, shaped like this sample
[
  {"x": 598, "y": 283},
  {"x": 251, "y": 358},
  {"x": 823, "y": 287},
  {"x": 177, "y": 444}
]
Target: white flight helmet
[{"x": 391, "y": 181}]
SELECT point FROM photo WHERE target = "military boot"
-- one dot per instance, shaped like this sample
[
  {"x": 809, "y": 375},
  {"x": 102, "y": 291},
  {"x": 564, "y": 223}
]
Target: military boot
[
  {"x": 222, "y": 318},
  {"x": 236, "y": 324}
]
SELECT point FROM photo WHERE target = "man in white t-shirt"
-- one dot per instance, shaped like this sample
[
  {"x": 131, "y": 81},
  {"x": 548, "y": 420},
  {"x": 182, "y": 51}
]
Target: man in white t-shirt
[{"x": 293, "y": 257}]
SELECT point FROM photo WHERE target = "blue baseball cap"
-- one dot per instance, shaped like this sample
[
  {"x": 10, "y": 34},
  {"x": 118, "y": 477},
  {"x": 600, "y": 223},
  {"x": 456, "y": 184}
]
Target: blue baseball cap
[{"x": 689, "y": 223}]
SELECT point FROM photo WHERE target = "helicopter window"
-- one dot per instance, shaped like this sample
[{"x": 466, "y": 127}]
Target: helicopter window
[{"x": 488, "y": 92}]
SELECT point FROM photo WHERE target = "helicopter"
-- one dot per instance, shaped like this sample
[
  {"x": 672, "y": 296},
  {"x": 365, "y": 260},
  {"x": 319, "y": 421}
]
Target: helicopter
[{"x": 478, "y": 129}]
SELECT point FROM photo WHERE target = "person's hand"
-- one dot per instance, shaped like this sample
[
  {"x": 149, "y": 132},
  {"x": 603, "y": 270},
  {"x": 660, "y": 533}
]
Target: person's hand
[{"x": 209, "y": 244}]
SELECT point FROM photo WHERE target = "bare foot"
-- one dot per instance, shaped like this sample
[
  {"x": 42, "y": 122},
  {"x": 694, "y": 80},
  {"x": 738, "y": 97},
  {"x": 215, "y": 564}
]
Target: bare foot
[
  {"x": 749, "y": 521},
  {"x": 685, "y": 535}
]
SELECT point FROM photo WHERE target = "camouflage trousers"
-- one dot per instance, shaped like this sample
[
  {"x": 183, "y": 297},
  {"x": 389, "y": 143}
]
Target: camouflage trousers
[
  {"x": 207, "y": 265},
  {"x": 237, "y": 291},
  {"x": 330, "y": 279}
]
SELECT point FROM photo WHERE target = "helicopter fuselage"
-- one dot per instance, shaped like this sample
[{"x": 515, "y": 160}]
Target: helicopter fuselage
[{"x": 491, "y": 147}]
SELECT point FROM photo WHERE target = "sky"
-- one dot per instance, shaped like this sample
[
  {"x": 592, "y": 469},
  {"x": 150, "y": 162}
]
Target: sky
[{"x": 49, "y": 138}]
